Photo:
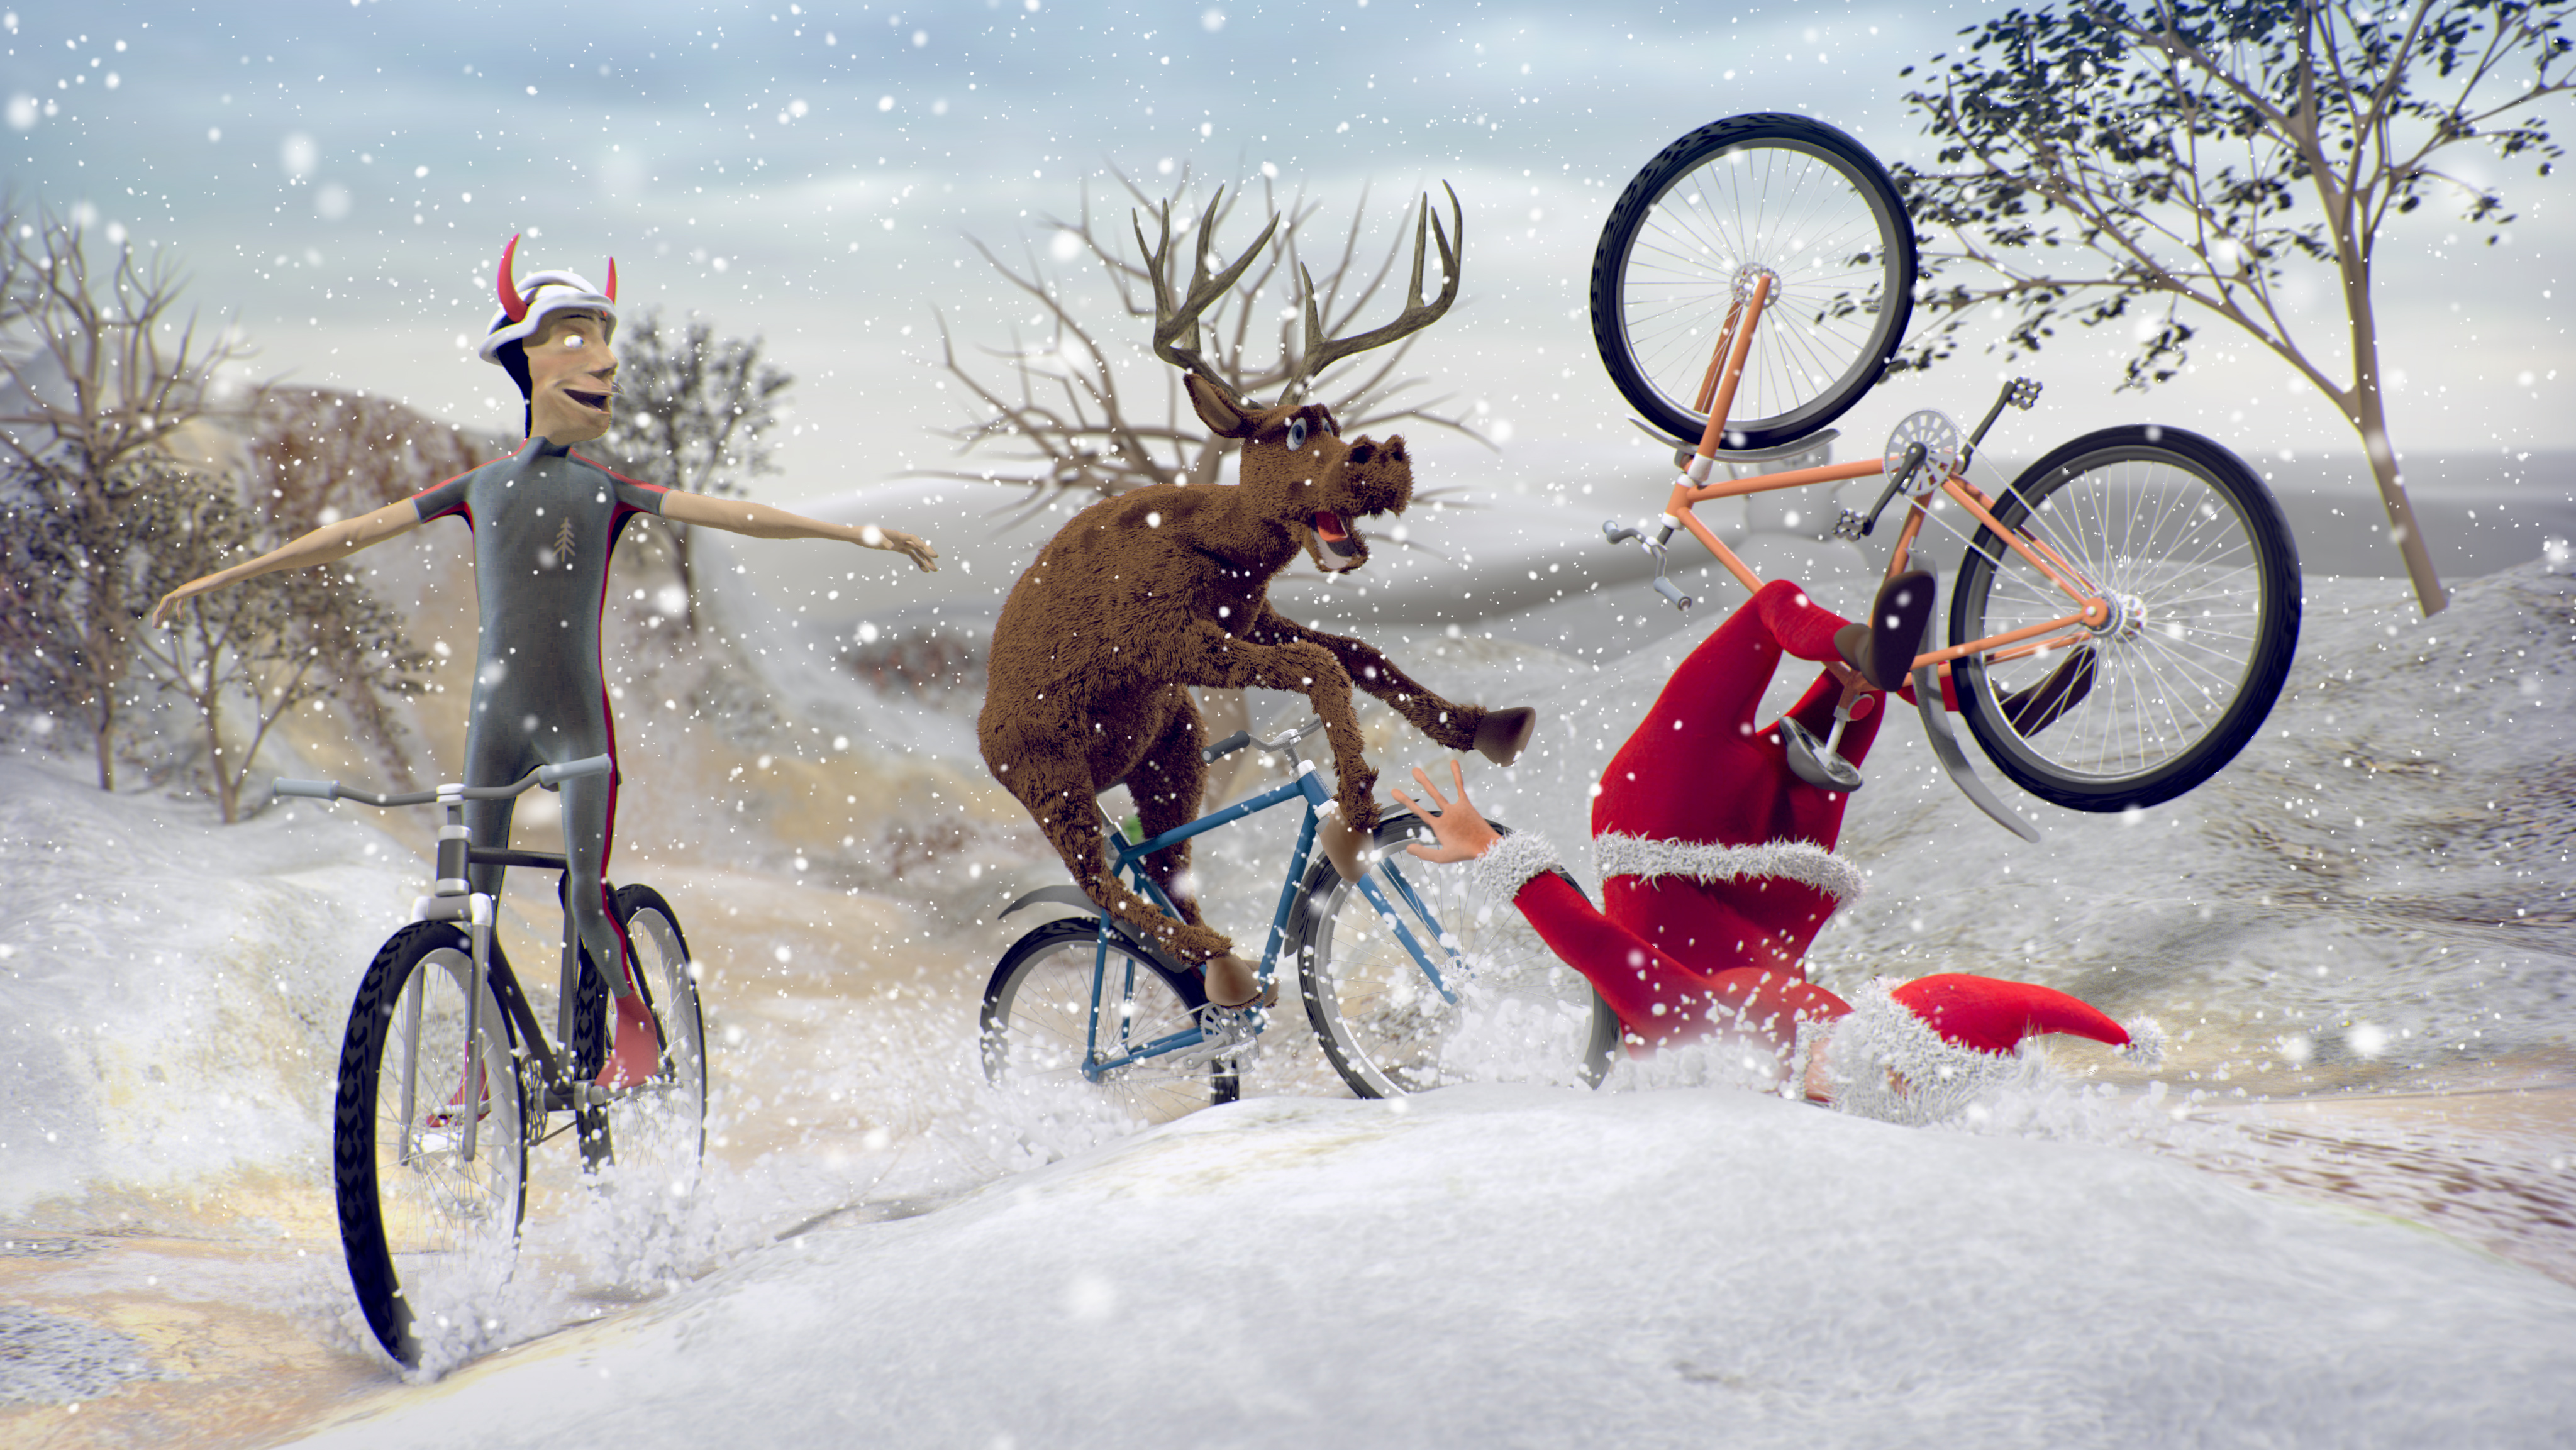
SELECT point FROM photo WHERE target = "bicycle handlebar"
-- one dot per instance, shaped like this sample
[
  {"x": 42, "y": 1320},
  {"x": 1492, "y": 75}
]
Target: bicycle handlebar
[
  {"x": 1284, "y": 743},
  {"x": 548, "y": 776}
]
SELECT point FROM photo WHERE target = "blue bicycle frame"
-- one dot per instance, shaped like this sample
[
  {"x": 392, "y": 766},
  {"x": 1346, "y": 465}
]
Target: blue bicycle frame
[{"x": 1131, "y": 858}]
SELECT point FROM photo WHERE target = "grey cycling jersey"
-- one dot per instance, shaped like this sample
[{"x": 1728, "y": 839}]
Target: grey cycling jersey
[{"x": 544, "y": 521}]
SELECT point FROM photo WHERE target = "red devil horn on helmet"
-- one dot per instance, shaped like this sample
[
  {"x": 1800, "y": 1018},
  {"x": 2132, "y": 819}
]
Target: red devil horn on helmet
[
  {"x": 611, "y": 292},
  {"x": 512, "y": 304}
]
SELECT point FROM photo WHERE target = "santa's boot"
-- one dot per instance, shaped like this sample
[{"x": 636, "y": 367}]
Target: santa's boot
[{"x": 1883, "y": 649}]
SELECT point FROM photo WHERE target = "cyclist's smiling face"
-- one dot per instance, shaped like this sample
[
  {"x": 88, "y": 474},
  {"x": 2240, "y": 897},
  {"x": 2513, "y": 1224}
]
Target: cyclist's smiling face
[{"x": 569, "y": 378}]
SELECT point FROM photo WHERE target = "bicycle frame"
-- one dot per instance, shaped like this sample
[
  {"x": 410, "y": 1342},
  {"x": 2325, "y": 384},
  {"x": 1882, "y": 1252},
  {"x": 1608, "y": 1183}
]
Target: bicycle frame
[
  {"x": 1130, "y": 858},
  {"x": 1717, "y": 395},
  {"x": 452, "y": 899},
  {"x": 2091, "y": 608}
]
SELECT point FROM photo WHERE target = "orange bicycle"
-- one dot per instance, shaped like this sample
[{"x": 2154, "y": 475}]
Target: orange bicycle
[{"x": 2124, "y": 611}]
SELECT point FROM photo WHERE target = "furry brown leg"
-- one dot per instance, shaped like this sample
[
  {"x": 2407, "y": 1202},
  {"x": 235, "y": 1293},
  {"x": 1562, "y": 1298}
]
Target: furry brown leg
[
  {"x": 1168, "y": 785},
  {"x": 1063, "y": 802}
]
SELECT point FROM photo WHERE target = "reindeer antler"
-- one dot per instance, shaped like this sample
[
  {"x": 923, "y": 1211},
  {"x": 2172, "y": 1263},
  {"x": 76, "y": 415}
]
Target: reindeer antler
[
  {"x": 1174, "y": 326},
  {"x": 1322, "y": 352}
]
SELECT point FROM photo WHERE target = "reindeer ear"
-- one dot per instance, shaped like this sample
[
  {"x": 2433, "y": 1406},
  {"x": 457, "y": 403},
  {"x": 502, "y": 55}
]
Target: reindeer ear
[{"x": 1225, "y": 417}]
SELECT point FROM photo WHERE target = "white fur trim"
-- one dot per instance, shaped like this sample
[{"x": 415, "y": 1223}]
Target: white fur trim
[
  {"x": 2146, "y": 1041},
  {"x": 1805, "y": 862},
  {"x": 1813, "y": 1033},
  {"x": 1881, "y": 1036},
  {"x": 1508, "y": 865}
]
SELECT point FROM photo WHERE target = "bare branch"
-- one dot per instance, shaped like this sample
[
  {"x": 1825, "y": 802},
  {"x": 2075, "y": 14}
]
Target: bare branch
[{"x": 1064, "y": 420}]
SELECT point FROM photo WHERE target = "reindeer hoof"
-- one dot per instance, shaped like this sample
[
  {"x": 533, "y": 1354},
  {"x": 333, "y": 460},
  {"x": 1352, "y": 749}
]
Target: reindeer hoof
[
  {"x": 1504, "y": 734},
  {"x": 1233, "y": 982},
  {"x": 1344, "y": 845}
]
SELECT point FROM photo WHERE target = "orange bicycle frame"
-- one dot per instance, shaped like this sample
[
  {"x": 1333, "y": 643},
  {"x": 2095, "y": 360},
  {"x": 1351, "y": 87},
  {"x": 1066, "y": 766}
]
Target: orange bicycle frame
[{"x": 1717, "y": 396}]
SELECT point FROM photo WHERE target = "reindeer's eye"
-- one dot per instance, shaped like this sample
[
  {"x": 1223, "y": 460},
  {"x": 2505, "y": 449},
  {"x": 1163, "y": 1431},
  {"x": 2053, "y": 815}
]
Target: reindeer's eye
[{"x": 1296, "y": 434}]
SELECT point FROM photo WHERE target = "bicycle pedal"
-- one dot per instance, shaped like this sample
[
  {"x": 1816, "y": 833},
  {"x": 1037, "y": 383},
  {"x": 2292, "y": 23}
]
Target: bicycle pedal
[
  {"x": 1811, "y": 762},
  {"x": 1850, "y": 524}
]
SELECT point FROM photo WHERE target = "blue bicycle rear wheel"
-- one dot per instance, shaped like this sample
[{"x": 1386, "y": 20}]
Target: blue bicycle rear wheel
[{"x": 1044, "y": 1030}]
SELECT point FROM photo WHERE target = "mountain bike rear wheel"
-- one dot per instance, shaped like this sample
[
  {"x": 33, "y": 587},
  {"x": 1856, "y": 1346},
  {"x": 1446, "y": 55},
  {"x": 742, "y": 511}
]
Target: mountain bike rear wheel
[
  {"x": 1521, "y": 1013},
  {"x": 2204, "y": 581},
  {"x": 1779, "y": 192},
  {"x": 1038, "y": 1016},
  {"x": 657, "y": 1131},
  {"x": 430, "y": 1230}
]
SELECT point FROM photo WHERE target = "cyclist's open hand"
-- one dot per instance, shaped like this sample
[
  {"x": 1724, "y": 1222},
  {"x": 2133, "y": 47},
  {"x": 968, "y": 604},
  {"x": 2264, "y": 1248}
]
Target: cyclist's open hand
[
  {"x": 1459, "y": 827},
  {"x": 911, "y": 546}
]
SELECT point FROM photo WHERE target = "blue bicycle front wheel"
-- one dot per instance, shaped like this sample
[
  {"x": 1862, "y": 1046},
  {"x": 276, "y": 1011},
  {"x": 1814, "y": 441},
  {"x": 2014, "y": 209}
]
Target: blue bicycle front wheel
[{"x": 1504, "y": 1007}]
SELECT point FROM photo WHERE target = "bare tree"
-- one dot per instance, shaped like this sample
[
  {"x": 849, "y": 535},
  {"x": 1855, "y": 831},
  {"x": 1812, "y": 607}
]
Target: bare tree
[
  {"x": 694, "y": 412},
  {"x": 2198, "y": 152},
  {"x": 245, "y": 656},
  {"x": 1077, "y": 414},
  {"x": 317, "y": 455},
  {"x": 97, "y": 372}
]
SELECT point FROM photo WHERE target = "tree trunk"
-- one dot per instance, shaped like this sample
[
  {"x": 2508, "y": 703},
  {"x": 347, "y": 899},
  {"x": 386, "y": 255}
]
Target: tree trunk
[
  {"x": 227, "y": 792},
  {"x": 2372, "y": 421},
  {"x": 681, "y": 561},
  {"x": 100, "y": 648},
  {"x": 2369, "y": 413}
]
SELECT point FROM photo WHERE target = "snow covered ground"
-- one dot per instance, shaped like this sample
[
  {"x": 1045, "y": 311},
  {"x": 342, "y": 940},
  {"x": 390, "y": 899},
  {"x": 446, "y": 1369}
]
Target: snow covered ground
[{"x": 2337, "y": 1216}]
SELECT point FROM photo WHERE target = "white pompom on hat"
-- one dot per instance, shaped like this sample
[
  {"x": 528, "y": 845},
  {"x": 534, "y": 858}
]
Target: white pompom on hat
[{"x": 527, "y": 301}]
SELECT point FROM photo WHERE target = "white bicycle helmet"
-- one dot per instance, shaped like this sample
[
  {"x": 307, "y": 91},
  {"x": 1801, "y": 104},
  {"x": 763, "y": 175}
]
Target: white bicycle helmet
[{"x": 525, "y": 303}]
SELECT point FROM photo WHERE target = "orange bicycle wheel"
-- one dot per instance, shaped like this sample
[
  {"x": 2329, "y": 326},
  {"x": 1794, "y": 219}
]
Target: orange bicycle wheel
[
  {"x": 2203, "y": 580},
  {"x": 1778, "y": 192}
]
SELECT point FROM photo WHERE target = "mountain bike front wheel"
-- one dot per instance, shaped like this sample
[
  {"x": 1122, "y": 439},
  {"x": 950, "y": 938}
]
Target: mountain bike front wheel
[
  {"x": 1779, "y": 193},
  {"x": 1520, "y": 1013},
  {"x": 429, "y": 1222},
  {"x": 2203, "y": 580},
  {"x": 1044, "y": 1025}
]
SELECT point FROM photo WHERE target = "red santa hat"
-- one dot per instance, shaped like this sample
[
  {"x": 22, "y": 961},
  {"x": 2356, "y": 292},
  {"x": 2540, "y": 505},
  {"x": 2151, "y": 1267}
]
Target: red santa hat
[{"x": 1920, "y": 1051}]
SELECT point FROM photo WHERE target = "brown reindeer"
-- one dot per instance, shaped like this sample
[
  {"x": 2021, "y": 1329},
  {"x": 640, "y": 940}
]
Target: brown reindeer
[{"x": 1168, "y": 586}]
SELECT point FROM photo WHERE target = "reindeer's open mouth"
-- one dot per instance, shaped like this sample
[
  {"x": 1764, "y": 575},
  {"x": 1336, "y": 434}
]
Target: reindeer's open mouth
[{"x": 1336, "y": 539}]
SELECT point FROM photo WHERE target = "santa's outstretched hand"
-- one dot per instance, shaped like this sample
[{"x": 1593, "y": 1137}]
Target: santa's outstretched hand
[{"x": 1461, "y": 830}]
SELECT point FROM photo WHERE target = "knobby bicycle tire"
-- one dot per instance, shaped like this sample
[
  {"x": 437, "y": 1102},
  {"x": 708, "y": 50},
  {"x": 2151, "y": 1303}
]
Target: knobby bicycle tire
[
  {"x": 1037, "y": 1010},
  {"x": 2205, "y": 576},
  {"x": 1523, "y": 1014},
  {"x": 656, "y": 1133},
  {"x": 429, "y": 1237},
  {"x": 1770, "y": 190}
]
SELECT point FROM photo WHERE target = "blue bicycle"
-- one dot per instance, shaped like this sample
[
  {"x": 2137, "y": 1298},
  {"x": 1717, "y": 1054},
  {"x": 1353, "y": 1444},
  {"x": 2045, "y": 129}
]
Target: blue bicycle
[{"x": 1408, "y": 984}]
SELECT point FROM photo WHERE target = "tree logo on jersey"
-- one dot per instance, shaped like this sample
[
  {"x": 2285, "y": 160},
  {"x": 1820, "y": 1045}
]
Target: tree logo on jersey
[{"x": 560, "y": 555}]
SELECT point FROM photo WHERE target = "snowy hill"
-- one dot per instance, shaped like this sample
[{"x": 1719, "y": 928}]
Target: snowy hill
[
  {"x": 1514, "y": 1266},
  {"x": 2359, "y": 935}
]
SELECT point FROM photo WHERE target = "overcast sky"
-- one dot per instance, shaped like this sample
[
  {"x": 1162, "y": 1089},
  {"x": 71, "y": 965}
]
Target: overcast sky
[{"x": 341, "y": 177}]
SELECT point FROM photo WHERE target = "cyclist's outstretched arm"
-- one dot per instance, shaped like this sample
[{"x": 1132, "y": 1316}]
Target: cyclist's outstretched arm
[
  {"x": 760, "y": 521},
  {"x": 327, "y": 544}
]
